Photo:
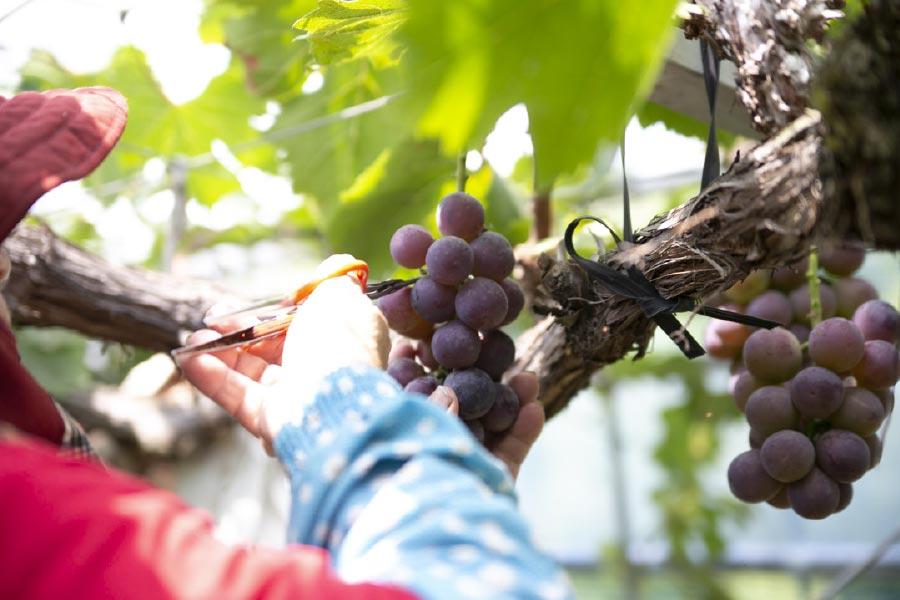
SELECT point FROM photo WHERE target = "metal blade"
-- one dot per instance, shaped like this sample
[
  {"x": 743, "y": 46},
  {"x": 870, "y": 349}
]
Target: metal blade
[{"x": 238, "y": 338}]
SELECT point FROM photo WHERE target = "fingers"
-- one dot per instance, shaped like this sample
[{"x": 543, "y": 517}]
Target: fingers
[
  {"x": 240, "y": 359},
  {"x": 526, "y": 386},
  {"x": 445, "y": 398},
  {"x": 269, "y": 349},
  {"x": 514, "y": 445},
  {"x": 239, "y": 395}
]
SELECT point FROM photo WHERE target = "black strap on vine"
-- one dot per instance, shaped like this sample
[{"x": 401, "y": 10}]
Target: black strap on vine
[
  {"x": 633, "y": 284},
  {"x": 710, "y": 63}
]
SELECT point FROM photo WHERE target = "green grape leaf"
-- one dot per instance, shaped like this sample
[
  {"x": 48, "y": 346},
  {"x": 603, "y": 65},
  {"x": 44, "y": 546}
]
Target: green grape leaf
[
  {"x": 338, "y": 30},
  {"x": 402, "y": 186},
  {"x": 259, "y": 32},
  {"x": 326, "y": 157},
  {"x": 580, "y": 67},
  {"x": 157, "y": 127}
]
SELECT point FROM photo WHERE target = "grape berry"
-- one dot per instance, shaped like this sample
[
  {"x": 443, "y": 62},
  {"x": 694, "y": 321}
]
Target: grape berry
[
  {"x": 455, "y": 310},
  {"x": 814, "y": 395}
]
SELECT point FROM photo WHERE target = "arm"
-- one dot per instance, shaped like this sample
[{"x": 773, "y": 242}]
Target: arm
[
  {"x": 393, "y": 486},
  {"x": 70, "y": 528},
  {"x": 400, "y": 492}
]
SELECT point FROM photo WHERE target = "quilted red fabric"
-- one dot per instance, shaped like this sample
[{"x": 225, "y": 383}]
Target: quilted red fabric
[
  {"x": 73, "y": 530},
  {"x": 46, "y": 138},
  {"x": 50, "y": 137}
]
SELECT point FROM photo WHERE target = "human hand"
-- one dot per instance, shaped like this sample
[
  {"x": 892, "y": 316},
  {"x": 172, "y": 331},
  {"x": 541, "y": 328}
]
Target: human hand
[
  {"x": 265, "y": 384},
  {"x": 513, "y": 445}
]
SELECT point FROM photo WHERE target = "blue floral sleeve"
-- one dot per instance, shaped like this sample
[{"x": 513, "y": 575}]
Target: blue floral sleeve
[{"x": 400, "y": 492}]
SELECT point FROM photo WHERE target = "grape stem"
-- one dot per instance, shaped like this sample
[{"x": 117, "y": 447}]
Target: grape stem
[
  {"x": 461, "y": 174},
  {"x": 812, "y": 279}
]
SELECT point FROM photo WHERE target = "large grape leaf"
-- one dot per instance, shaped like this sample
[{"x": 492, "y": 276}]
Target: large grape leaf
[
  {"x": 402, "y": 186},
  {"x": 338, "y": 30},
  {"x": 325, "y": 160},
  {"x": 579, "y": 66},
  {"x": 158, "y": 128},
  {"x": 260, "y": 33}
]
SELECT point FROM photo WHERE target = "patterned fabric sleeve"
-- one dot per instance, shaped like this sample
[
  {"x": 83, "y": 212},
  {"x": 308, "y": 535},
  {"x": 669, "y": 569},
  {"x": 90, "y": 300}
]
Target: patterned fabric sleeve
[
  {"x": 400, "y": 492},
  {"x": 74, "y": 441}
]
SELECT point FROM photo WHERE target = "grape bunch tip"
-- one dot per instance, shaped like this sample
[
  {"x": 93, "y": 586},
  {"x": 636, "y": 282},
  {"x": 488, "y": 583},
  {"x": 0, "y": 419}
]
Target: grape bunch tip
[
  {"x": 452, "y": 314},
  {"x": 814, "y": 395}
]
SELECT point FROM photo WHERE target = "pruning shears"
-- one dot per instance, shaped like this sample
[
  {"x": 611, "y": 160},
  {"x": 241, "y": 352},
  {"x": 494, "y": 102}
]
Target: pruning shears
[{"x": 275, "y": 314}]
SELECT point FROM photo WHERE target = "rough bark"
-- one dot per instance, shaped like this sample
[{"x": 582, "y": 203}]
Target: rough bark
[
  {"x": 757, "y": 215},
  {"x": 54, "y": 283},
  {"x": 768, "y": 41}
]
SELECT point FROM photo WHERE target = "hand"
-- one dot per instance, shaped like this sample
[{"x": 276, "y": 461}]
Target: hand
[
  {"x": 264, "y": 385},
  {"x": 513, "y": 445}
]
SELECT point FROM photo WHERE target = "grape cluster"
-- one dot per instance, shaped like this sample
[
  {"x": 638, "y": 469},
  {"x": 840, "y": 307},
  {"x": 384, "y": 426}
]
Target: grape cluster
[
  {"x": 814, "y": 396},
  {"x": 454, "y": 311}
]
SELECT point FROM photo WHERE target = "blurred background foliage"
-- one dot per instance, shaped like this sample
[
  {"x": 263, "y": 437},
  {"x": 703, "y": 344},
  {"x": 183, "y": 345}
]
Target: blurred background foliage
[{"x": 364, "y": 108}]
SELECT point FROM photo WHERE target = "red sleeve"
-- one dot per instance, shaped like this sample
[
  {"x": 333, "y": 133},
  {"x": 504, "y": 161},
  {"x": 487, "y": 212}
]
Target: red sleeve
[
  {"x": 72, "y": 529},
  {"x": 23, "y": 402}
]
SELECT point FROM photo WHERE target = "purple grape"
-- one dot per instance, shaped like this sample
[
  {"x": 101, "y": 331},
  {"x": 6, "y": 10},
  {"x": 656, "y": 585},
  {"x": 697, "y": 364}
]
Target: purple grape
[
  {"x": 851, "y": 293},
  {"x": 449, "y": 260},
  {"x": 515, "y": 300},
  {"x": 493, "y": 256},
  {"x": 455, "y": 345},
  {"x": 842, "y": 258},
  {"x": 724, "y": 339},
  {"x": 875, "y": 449},
  {"x": 878, "y": 320},
  {"x": 861, "y": 412},
  {"x": 748, "y": 479},
  {"x": 422, "y": 330},
  {"x": 498, "y": 351},
  {"x": 790, "y": 277},
  {"x": 432, "y": 300},
  {"x": 836, "y": 344},
  {"x": 842, "y": 455},
  {"x": 787, "y": 456},
  {"x": 878, "y": 367},
  {"x": 817, "y": 392},
  {"x": 405, "y": 370},
  {"x": 780, "y": 500},
  {"x": 800, "y": 331},
  {"x": 474, "y": 391},
  {"x": 744, "y": 385},
  {"x": 409, "y": 245},
  {"x": 846, "y": 492},
  {"x": 402, "y": 349},
  {"x": 425, "y": 356},
  {"x": 815, "y": 496},
  {"x": 772, "y": 355},
  {"x": 504, "y": 411},
  {"x": 886, "y": 396},
  {"x": 481, "y": 304},
  {"x": 460, "y": 215},
  {"x": 756, "y": 439},
  {"x": 800, "y": 302},
  {"x": 398, "y": 311},
  {"x": 772, "y": 305},
  {"x": 477, "y": 428},
  {"x": 769, "y": 409},
  {"x": 424, "y": 385}
]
